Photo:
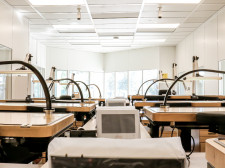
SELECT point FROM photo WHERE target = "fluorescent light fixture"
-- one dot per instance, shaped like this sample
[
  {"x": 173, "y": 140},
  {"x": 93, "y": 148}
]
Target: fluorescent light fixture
[
  {"x": 158, "y": 26},
  {"x": 73, "y": 26},
  {"x": 115, "y": 31},
  {"x": 173, "y": 1},
  {"x": 56, "y": 2},
  {"x": 115, "y": 44},
  {"x": 83, "y": 41}
]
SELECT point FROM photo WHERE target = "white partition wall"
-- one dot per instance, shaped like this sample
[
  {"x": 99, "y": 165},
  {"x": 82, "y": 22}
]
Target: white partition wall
[{"x": 207, "y": 42}]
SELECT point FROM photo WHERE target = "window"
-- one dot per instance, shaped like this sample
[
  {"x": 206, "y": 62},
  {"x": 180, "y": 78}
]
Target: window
[
  {"x": 200, "y": 85},
  {"x": 121, "y": 84},
  {"x": 60, "y": 89},
  {"x": 80, "y": 76},
  {"x": 135, "y": 81},
  {"x": 37, "y": 90},
  {"x": 98, "y": 79},
  {"x": 109, "y": 85},
  {"x": 181, "y": 89},
  {"x": 5, "y": 80},
  {"x": 147, "y": 75},
  {"x": 3, "y": 86}
]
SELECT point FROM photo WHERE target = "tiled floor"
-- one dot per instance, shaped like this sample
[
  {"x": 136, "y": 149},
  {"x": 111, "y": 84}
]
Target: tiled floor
[{"x": 198, "y": 160}]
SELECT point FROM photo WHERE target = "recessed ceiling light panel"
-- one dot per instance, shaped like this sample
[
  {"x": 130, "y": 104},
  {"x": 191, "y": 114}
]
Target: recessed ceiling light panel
[
  {"x": 73, "y": 26},
  {"x": 56, "y": 2}
]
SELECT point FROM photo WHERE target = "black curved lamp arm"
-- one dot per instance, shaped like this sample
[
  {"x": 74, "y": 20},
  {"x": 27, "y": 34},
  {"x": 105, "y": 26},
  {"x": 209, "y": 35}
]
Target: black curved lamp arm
[
  {"x": 89, "y": 93},
  {"x": 72, "y": 81},
  {"x": 156, "y": 82},
  {"x": 185, "y": 74},
  {"x": 100, "y": 95},
  {"x": 144, "y": 83},
  {"x": 39, "y": 76}
]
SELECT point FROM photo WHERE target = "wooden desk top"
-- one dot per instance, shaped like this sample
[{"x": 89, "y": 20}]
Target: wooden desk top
[
  {"x": 180, "y": 97},
  {"x": 136, "y": 97},
  {"x": 215, "y": 153},
  {"x": 37, "y": 124},
  {"x": 193, "y": 103},
  {"x": 177, "y": 114},
  {"x": 70, "y": 107},
  {"x": 177, "y": 97},
  {"x": 99, "y": 99},
  {"x": 76, "y": 107}
]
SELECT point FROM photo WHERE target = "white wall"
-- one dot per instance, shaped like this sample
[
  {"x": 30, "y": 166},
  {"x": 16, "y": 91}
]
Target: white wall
[
  {"x": 140, "y": 59},
  {"x": 69, "y": 59},
  {"x": 14, "y": 34},
  {"x": 14, "y": 31},
  {"x": 38, "y": 51},
  {"x": 208, "y": 43},
  {"x": 166, "y": 59}
]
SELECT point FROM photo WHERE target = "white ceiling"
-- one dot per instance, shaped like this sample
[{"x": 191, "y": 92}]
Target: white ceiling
[{"x": 115, "y": 18}]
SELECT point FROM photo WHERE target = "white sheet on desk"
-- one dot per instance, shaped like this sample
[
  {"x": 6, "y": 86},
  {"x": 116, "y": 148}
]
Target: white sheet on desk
[
  {"x": 12, "y": 165},
  {"x": 116, "y": 100},
  {"x": 163, "y": 148}
]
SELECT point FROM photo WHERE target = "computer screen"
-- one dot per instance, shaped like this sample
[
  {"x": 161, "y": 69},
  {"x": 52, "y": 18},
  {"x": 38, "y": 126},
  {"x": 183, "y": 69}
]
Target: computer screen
[{"x": 118, "y": 122}]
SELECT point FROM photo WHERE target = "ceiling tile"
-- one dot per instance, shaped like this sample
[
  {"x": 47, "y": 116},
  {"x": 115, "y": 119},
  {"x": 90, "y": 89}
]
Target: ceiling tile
[
  {"x": 114, "y": 2},
  {"x": 116, "y": 21},
  {"x": 190, "y": 25},
  {"x": 165, "y": 14},
  {"x": 196, "y": 20},
  {"x": 122, "y": 8},
  {"x": 116, "y": 26},
  {"x": 83, "y": 21},
  {"x": 24, "y": 9},
  {"x": 17, "y": 2},
  {"x": 208, "y": 7},
  {"x": 169, "y": 7},
  {"x": 160, "y": 21},
  {"x": 114, "y": 15},
  {"x": 156, "y": 30},
  {"x": 213, "y": 1},
  {"x": 32, "y": 15},
  {"x": 38, "y": 21},
  {"x": 202, "y": 14},
  {"x": 60, "y": 9},
  {"x": 64, "y": 15},
  {"x": 184, "y": 29}
]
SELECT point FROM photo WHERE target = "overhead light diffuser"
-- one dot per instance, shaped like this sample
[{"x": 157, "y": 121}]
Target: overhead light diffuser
[
  {"x": 56, "y": 2},
  {"x": 173, "y": 1},
  {"x": 158, "y": 26},
  {"x": 73, "y": 26}
]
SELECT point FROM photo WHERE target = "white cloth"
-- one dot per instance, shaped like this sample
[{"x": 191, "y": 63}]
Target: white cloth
[
  {"x": 154, "y": 148},
  {"x": 11, "y": 165}
]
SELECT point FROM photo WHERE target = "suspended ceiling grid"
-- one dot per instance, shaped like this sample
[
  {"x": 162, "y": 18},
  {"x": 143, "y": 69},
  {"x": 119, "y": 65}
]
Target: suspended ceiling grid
[{"x": 108, "y": 26}]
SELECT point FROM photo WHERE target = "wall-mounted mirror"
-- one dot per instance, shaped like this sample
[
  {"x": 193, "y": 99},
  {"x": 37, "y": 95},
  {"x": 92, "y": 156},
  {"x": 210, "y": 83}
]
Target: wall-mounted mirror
[{"x": 5, "y": 80}]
